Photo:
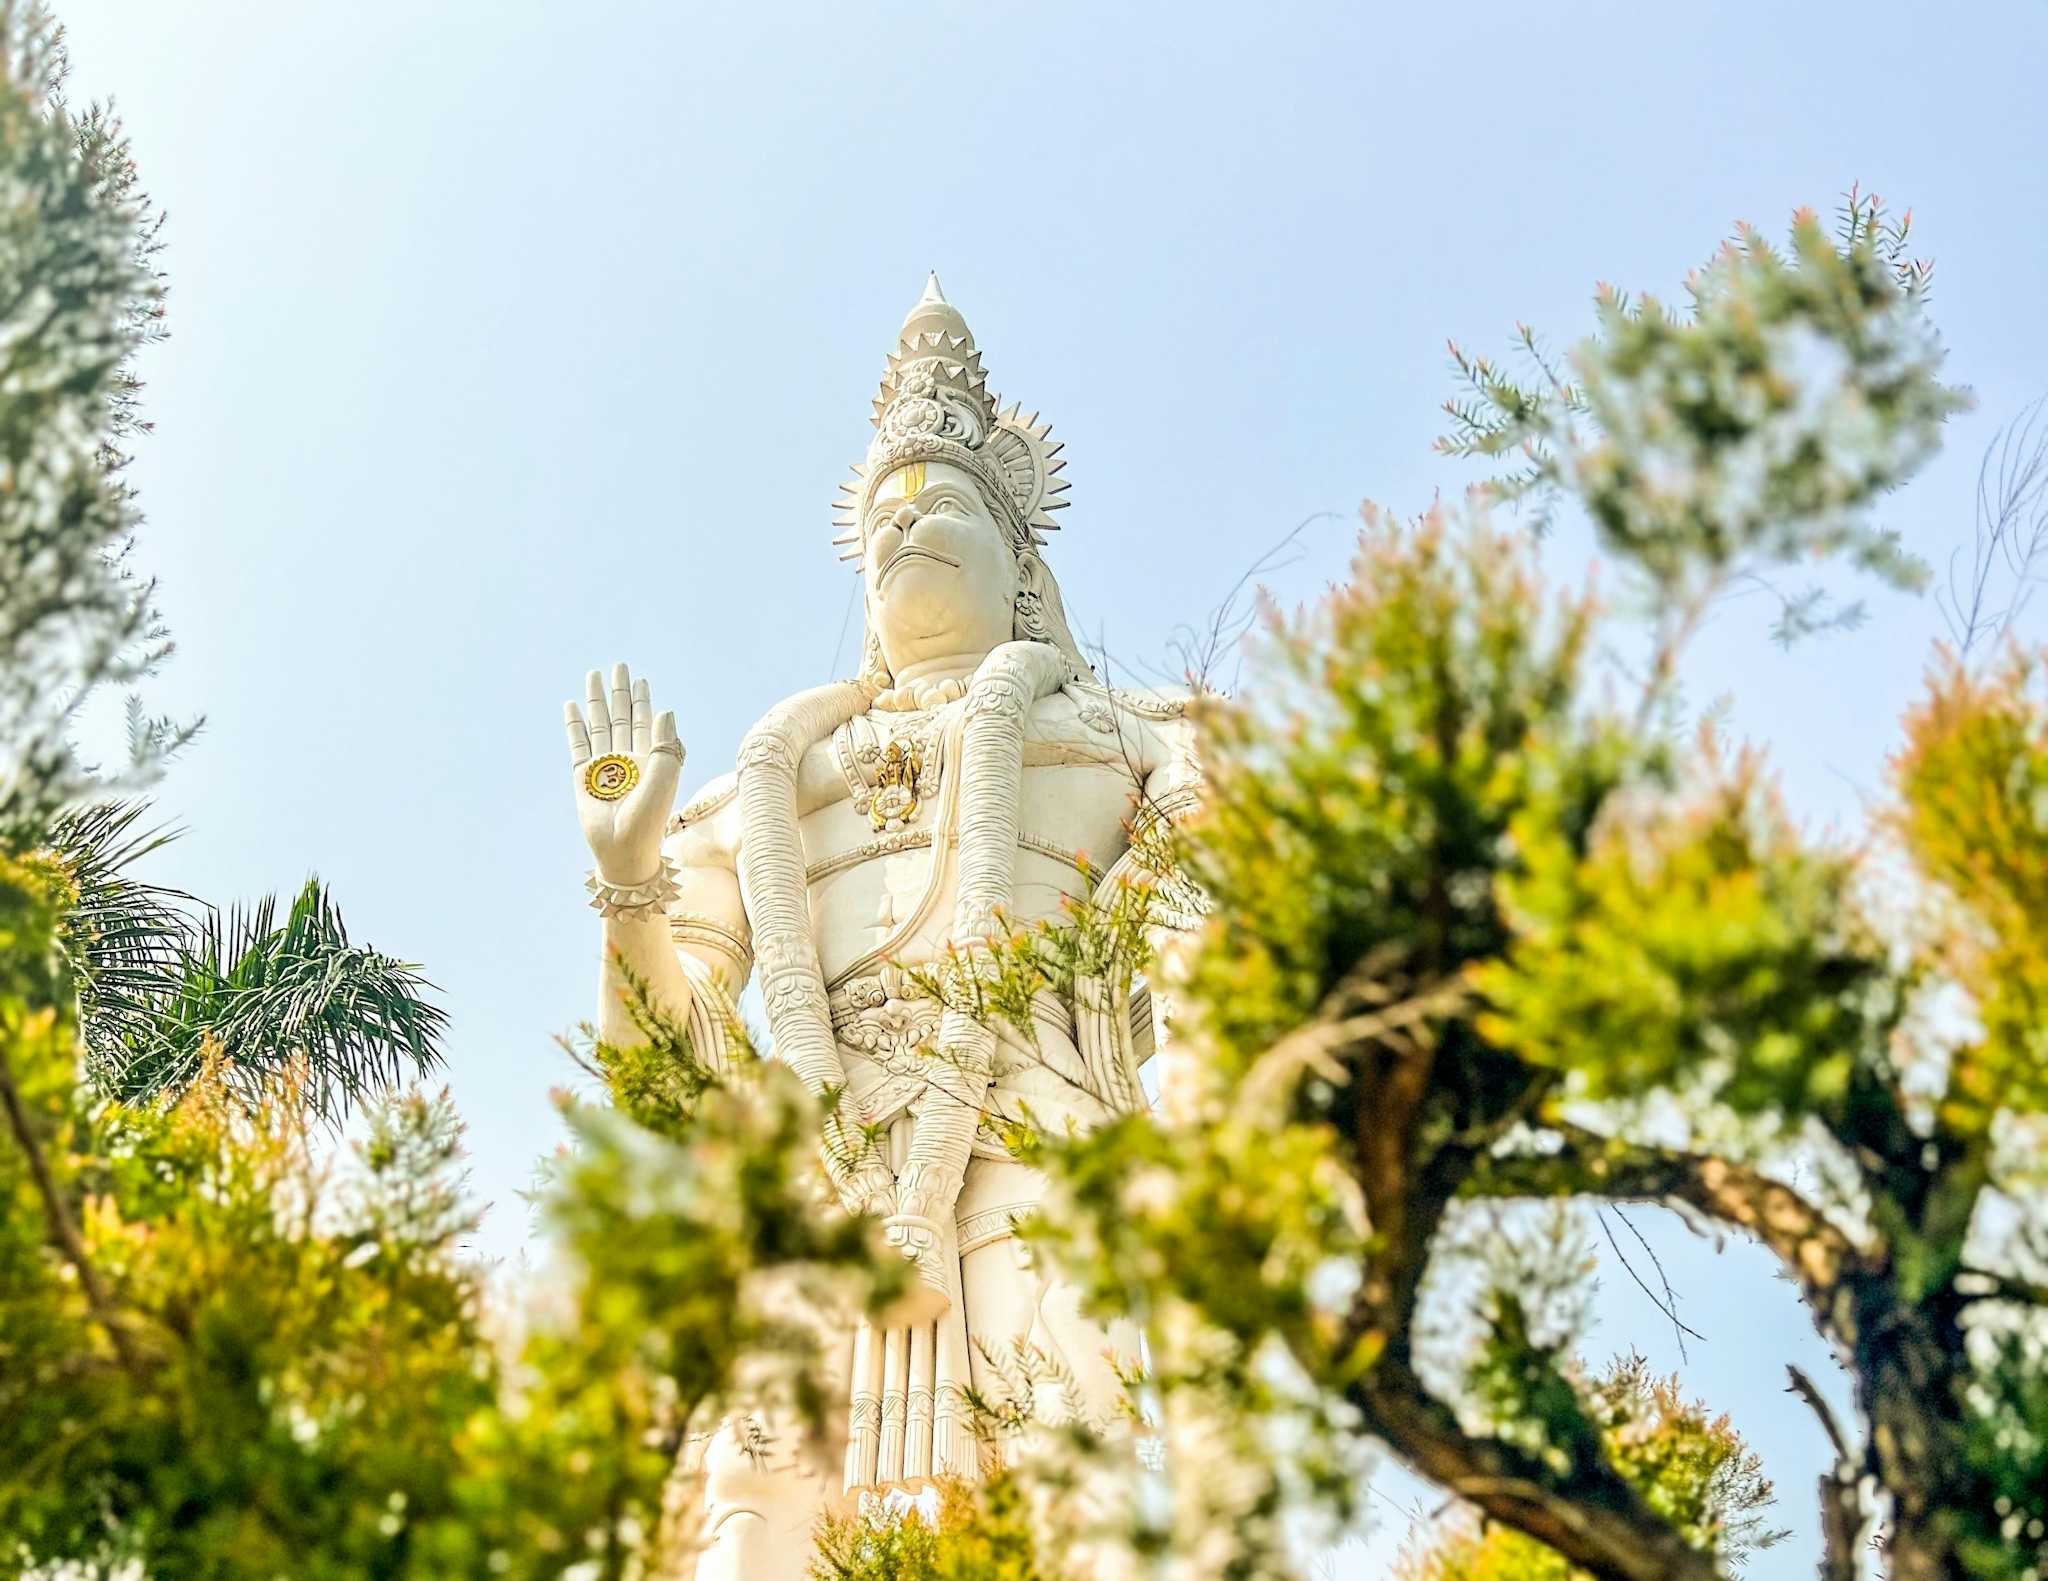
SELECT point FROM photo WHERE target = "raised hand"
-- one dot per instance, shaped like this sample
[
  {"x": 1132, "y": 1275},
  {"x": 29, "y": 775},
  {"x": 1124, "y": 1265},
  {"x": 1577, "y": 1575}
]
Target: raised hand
[{"x": 626, "y": 761}]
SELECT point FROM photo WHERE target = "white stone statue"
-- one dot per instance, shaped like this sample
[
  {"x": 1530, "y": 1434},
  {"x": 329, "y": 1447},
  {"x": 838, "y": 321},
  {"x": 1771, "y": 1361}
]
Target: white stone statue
[{"x": 946, "y": 793}]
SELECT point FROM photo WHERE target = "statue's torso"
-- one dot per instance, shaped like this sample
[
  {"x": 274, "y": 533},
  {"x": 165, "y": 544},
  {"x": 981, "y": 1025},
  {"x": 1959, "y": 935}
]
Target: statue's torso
[
  {"x": 883, "y": 793},
  {"x": 876, "y": 803}
]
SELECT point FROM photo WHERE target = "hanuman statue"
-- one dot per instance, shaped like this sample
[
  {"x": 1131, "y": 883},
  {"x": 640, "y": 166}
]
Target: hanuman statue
[{"x": 873, "y": 826}]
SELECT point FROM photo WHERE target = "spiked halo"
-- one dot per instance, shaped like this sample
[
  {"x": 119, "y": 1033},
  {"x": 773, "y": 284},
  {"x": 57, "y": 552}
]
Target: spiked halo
[{"x": 934, "y": 405}]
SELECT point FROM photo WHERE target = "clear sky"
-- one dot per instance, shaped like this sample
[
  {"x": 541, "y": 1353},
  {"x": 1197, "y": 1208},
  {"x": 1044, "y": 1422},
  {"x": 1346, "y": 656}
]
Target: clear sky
[{"x": 512, "y": 339}]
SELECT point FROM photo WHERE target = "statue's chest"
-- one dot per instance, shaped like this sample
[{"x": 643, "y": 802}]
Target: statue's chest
[
  {"x": 882, "y": 797},
  {"x": 894, "y": 766}
]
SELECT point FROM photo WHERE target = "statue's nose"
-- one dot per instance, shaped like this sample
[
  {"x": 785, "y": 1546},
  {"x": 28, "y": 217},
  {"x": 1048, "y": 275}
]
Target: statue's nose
[{"x": 905, "y": 517}]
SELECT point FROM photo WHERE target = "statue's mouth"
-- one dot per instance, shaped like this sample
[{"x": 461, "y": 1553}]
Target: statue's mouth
[{"x": 911, "y": 551}]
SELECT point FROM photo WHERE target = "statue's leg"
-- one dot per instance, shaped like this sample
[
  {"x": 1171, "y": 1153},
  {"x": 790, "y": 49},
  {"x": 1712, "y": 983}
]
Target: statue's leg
[
  {"x": 754, "y": 1490},
  {"x": 1010, "y": 1299},
  {"x": 761, "y": 1504}
]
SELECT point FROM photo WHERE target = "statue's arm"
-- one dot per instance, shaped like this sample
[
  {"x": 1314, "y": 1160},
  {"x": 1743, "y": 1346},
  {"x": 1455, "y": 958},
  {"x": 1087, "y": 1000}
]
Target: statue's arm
[
  {"x": 1171, "y": 785},
  {"x": 702, "y": 938},
  {"x": 668, "y": 893},
  {"x": 1170, "y": 793}
]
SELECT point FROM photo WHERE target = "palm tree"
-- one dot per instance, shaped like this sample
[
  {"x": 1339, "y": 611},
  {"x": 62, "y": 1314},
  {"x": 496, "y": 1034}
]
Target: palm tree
[{"x": 165, "y": 981}]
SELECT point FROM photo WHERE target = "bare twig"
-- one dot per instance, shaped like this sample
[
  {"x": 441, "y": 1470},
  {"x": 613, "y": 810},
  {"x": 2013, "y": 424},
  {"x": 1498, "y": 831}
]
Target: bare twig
[
  {"x": 1589, "y": 1164},
  {"x": 1313, "y": 1048},
  {"x": 1805, "y": 1388},
  {"x": 2009, "y": 537},
  {"x": 1668, "y": 1303},
  {"x": 1200, "y": 649}
]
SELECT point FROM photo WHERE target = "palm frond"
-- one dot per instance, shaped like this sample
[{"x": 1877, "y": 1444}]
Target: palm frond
[
  {"x": 126, "y": 938},
  {"x": 165, "y": 981}
]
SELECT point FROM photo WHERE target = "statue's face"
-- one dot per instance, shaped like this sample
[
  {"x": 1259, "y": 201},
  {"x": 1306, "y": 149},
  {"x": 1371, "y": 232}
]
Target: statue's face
[{"x": 941, "y": 580}]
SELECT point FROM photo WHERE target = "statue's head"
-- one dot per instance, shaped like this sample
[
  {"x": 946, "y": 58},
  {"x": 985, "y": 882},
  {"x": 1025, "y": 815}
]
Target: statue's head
[{"x": 946, "y": 515}]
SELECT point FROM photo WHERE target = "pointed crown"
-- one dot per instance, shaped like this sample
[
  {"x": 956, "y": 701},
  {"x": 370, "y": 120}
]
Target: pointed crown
[{"x": 934, "y": 405}]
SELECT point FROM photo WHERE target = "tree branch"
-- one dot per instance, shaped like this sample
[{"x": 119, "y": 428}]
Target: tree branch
[
  {"x": 1588, "y": 1514},
  {"x": 1841, "y": 1510},
  {"x": 1818, "y": 1254},
  {"x": 62, "y": 1230},
  {"x": 1979, "y": 1284}
]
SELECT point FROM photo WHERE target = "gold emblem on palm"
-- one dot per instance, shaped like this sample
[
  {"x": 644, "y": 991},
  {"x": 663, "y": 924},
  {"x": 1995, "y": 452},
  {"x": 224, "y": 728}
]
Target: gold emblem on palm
[{"x": 609, "y": 778}]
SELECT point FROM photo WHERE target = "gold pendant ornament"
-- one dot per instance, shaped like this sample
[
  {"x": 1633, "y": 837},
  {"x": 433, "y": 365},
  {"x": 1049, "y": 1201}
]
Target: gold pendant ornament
[
  {"x": 609, "y": 778},
  {"x": 896, "y": 789}
]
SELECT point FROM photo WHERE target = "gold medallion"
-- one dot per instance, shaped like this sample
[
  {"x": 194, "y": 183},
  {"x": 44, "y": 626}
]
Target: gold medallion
[
  {"x": 896, "y": 791},
  {"x": 609, "y": 778}
]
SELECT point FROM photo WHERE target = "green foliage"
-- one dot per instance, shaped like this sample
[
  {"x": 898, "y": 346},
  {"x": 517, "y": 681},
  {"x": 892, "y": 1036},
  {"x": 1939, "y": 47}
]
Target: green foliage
[
  {"x": 1696, "y": 941},
  {"x": 1749, "y": 429},
  {"x": 239, "y": 1341},
  {"x": 2005, "y": 1535},
  {"x": 973, "y": 1533},
  {"x": 165, "y": 984},
  {"x": 80, "y": 295},
  {"x": 1462, "y": 921},
  {"x": 77, "y": 276},
  {"x": 1097, "y": 941},
  {"x": 265, "y": 990},
  {"x": 1239, "y": 1232},
  {"x": 230, "y": 1354},
  {"x": 1691, "y": 1467},
  {"x": 1358, "y": 815},
  {"x": 1973, "y": 811}
]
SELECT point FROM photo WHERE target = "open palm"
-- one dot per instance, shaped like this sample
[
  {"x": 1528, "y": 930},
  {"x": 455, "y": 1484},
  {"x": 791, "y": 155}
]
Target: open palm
[{"x": 626, "y": 762}]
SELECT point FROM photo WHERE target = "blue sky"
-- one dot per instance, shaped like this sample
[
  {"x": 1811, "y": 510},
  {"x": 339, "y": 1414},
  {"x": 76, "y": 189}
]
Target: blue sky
[{"x": 512, "y": 339}]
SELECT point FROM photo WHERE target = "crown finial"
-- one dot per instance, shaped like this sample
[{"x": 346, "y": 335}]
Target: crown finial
[{"x": 932, "y": 312}]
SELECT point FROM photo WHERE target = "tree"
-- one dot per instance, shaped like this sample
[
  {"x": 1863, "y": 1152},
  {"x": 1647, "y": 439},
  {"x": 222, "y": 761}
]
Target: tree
[
  {"x": 80, "y": 295},
  {"x": 1691, "y": 1466},
  {"x": 231, "y": 1353},
  {"x": 226, "y": 1350},
  {"x": 1465, "y": 920}
]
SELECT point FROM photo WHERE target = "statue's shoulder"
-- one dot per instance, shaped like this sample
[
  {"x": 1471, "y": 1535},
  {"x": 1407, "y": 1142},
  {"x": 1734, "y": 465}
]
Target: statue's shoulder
[
  {"x": 1157, "y": 703},
  {"x": 707, "y": 824},
  {"x": 1148, "y": 728}
]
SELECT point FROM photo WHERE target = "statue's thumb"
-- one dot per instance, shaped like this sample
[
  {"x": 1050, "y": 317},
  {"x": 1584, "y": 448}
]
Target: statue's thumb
[{"x": 664, "y": 769}]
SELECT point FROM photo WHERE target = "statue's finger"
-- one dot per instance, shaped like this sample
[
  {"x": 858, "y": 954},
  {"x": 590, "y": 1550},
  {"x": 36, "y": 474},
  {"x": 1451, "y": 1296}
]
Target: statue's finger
[
  {"x": 600, "y": 714},
  {"x": 579, "y": 738},
  {"x": 665, "y": 736},
  {"x": 622, "y": 709},
  {"x": 643, "y": 717}
]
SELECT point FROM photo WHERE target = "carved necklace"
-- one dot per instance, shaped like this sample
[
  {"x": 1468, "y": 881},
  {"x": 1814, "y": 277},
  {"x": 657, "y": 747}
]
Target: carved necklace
[{"x": 920, "y": 696}]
